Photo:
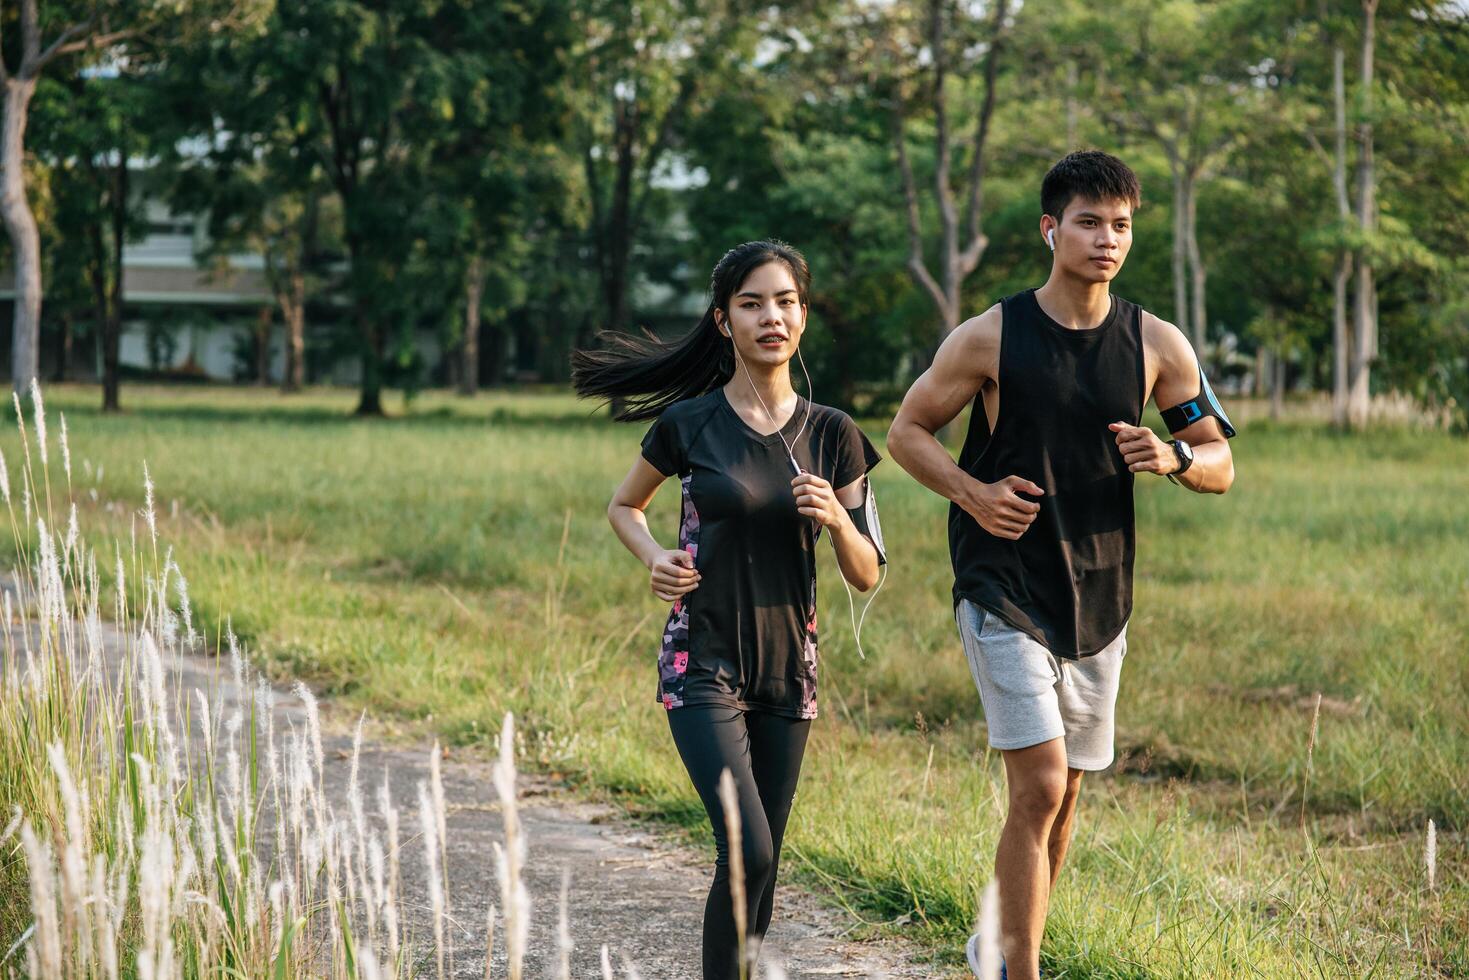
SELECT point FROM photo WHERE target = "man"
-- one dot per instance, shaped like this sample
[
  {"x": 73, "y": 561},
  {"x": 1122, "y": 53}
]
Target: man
[{"x": 1041, "y": 516}]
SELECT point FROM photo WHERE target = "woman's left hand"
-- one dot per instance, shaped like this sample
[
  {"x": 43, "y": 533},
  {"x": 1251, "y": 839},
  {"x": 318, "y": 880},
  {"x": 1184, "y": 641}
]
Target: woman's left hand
[{"x": 816, "y": 499}]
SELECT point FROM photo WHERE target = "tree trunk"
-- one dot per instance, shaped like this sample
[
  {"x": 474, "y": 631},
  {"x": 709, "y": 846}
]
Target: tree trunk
[
  {"x": 262, "y": 346},
  {"x": 1364, "y": 347},
  {"x": 371, "y": 401},
  {"x": 618, "y": 236},
  {"x": 112, "y": 325},
  {"x": 1262, "y": 371},
  {"x": 1198, "y": 316},
  {"x": 1365, "y": 313},
  {"x": 1277, "y": 384},
  {"x": 956, "y": 260},
  {"x": 474, "y": 291},
  {"x": 293, "y": 312},
  {"x": 97, "y": 275},
  {"x": 1180, "y": 247},
  {"x": 25, "y": 240},
  {"x": 1341, "y": 341},
  {"x": 615, "y": 240},
  {"x": 111, "y": 345}
]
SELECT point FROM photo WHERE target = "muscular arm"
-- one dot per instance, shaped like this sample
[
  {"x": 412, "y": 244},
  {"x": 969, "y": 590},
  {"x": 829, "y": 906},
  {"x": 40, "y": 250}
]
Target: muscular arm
[
  {"x": 968, "y": 359},
  {"x": 1175, "y": 379}
]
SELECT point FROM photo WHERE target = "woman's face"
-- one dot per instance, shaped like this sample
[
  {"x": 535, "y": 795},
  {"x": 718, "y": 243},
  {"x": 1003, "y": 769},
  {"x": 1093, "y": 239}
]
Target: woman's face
[{"x": 766, "y": 316}]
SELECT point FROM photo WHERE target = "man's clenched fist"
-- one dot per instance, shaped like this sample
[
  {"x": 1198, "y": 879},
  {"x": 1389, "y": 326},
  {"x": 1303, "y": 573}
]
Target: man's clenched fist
[{"x": 1143, "y": 451}]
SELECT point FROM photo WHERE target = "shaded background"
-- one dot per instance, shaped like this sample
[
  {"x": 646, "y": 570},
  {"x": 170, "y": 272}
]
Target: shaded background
[{"x": 405, "y": 195}]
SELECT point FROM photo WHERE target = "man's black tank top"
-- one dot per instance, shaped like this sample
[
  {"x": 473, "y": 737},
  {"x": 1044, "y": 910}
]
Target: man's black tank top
[{"x": 1068, "y": 581}]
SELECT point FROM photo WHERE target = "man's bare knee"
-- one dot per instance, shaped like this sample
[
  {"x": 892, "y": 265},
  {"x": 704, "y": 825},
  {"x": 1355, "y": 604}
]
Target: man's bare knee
[
  {"x": 1038, "y": 781},
  {"x": 1038, "y": 799}
]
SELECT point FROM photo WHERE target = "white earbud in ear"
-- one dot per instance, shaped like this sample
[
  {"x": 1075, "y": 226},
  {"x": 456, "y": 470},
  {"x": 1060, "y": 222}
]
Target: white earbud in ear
[{"x": 1051, "y": 238}]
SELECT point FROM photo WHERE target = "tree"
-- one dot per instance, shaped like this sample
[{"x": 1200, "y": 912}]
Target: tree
[
  {"x": 280, "y": 210},
  {"x": 1364, "y": 310},
  {"x": 498, "y": 165},
  {"x": 648, "y": 67},
  {"x": 66, "y": 207},
  {"x": 96, "y": 30},
  {"x": 94, "y": 125},
  {"x": 375, "y": 94},
  {"x": 956, "y": 258},
  {"x": 1193, "y": 100},
  {"x": 814, "y": 169},
  {"x": 20, "y": 86},
  {"x": 1338, "y": 116}
]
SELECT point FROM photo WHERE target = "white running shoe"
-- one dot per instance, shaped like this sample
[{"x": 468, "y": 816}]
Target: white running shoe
[{"x": 971, "y": 953}]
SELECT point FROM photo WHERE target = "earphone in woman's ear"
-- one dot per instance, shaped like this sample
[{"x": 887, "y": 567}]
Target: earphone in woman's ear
[{"x": 1051, "y": 238}]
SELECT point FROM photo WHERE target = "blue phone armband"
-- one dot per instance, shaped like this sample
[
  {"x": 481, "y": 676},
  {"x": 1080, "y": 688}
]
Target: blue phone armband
[
  {"x": 1181, "y": 416},
  {"x": 864, "y": 518}
]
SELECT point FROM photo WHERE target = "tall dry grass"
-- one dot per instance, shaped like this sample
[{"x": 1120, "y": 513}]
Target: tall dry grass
[{"x": 164, "y": 836}]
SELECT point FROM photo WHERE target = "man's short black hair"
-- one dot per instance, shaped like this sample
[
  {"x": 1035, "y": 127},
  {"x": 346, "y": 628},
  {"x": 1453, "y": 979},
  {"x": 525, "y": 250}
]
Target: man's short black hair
[{"x": 1090, "y": 174}]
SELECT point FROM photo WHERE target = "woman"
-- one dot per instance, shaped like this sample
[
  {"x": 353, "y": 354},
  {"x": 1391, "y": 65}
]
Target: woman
[{"x": 763, "y": 472}]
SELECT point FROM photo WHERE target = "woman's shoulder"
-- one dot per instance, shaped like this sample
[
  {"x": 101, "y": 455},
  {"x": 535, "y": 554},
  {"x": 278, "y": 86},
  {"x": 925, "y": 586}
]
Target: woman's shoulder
[
  {"x": 830, "y": 416},
  {"x": 690, "y": 411}
]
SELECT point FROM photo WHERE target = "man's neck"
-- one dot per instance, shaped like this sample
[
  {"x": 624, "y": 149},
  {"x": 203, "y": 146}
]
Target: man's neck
[{"x": 1074, "y": 303}]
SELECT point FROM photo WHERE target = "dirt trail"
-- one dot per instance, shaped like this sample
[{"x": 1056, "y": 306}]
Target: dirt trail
[{"x": 630, "y": 888}]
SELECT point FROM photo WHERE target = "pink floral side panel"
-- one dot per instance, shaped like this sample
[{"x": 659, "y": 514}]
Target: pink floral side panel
[
  {"x": 808, "y": 658},
  {"x": 673, "y": 656}
]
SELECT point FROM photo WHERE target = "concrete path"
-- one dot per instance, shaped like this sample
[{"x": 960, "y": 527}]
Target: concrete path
[{"x": 631, "y": 888}]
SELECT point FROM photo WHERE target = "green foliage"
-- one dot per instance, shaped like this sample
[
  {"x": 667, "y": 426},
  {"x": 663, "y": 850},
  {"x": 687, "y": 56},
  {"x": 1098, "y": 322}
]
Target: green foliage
[{"x": 599, "y": 156}]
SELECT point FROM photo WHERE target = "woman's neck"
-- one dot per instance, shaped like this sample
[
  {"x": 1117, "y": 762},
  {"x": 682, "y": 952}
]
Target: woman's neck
[{"x": 764, "y": 394}]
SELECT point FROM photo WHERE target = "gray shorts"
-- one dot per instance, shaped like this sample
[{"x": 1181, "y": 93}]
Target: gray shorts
[{"x": 1031, "y": 696}]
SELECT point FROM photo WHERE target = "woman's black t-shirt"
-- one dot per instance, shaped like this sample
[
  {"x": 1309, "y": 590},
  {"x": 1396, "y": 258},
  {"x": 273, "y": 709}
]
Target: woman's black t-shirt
[{"x": 746, "y": 637}]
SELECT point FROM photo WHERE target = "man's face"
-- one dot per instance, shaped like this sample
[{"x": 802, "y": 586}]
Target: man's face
[{"x": 1092, "y": 239}]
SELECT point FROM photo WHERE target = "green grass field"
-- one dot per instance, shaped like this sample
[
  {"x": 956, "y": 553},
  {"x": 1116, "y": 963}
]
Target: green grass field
[{"x": 454, "y": 562}]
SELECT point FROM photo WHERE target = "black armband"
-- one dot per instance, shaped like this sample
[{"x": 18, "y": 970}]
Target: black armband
[
  {"x": 864, "y": 518},
  {"x": 1180, "y": 417}
]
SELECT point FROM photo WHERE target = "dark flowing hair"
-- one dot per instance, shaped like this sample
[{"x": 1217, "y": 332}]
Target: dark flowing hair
[{"x": 643, "y": 375}]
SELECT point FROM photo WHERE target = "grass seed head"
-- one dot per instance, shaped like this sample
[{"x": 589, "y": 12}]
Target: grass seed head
[
  {"x": 40, "y": 420},
  {"x": 1430, "y": 856},
  {"x": 65, "y": 449}
]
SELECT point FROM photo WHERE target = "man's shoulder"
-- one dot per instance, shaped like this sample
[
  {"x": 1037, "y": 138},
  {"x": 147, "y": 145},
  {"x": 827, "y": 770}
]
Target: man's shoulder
[
  {"x": 983, "y": 327},
  {"x": 1163, "y": 338}
]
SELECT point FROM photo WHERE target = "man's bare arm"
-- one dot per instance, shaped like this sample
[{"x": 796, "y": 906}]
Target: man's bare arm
[
  {"x": 1177, "y": 381},
  {"x": 968, "y": 358}
]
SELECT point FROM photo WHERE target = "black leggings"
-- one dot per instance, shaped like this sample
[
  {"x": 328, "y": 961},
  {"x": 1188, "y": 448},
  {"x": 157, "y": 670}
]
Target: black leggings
[{"x": 763, "y": 752}]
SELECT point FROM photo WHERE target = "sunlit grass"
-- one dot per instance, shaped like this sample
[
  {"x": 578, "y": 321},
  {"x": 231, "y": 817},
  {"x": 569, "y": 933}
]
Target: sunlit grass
[{"x": 453, "y": 563}]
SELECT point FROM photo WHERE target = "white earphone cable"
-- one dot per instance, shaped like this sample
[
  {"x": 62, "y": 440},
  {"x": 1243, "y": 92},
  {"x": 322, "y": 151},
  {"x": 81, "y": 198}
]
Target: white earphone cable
[{"x": 791, "y": 455}]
